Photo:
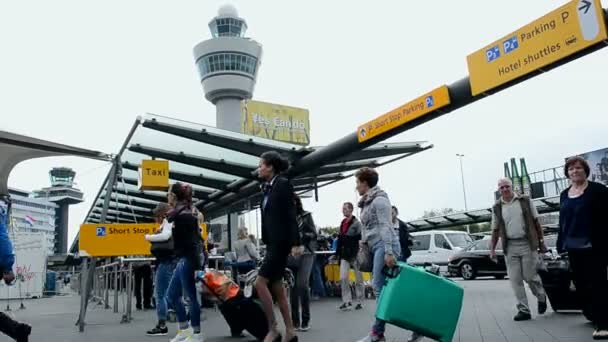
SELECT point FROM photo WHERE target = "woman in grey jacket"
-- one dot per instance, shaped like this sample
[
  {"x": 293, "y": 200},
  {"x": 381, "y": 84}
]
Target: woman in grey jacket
[
  {"x": 379, "y": 235},
  {"x": 304, "y": 262}
]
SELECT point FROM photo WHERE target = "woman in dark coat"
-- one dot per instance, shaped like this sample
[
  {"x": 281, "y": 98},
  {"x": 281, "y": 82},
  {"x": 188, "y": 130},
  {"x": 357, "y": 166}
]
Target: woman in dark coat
[
  {"x": 281, "y": 237},
  {"x": 584, "y": 235}
]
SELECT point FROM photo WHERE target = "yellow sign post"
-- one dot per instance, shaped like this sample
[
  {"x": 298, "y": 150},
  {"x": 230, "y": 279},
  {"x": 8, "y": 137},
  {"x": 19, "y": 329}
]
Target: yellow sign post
[
  {"x": 571, "y": 28},
  {"x": 154, "y": 175},
  {"x": 115, "y": 239},
  {"x": 423, "y": 105}
]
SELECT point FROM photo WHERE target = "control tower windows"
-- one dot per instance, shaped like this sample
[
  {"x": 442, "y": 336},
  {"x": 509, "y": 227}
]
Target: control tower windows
[
  {"x": 234, "y": 62},
  {"x": 228, "y": 27}
]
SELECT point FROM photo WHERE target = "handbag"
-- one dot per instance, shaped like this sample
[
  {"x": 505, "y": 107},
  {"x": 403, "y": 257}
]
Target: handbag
[
  {"x": 363, "y": 259},
  {"x": 162, "y": 247},
  {"x": 293, "y": 262}
]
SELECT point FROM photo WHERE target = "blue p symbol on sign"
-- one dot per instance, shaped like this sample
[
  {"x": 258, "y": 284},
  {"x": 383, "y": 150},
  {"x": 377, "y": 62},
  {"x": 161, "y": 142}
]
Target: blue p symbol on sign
[
  {"x": 101, "y": 231},
  {"x": 510, "y": 44},
  {"x": 492, "y": 53},
  {"x": 430, "y": 102}
]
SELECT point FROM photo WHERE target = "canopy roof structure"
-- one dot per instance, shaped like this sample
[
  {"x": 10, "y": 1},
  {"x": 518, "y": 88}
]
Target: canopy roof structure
[
  {"x": 543, "y": 205},
  {"x": 218, "y": 163},
  {"x": 15, "y": 148}
]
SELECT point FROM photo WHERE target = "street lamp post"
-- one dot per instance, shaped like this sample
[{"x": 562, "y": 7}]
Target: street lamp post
[{"x": 464, "y": 192}]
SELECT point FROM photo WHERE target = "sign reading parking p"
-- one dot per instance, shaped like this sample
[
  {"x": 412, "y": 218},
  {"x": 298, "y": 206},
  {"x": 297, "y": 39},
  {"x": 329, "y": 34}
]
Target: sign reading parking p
[{"x": 101, "y": 231}]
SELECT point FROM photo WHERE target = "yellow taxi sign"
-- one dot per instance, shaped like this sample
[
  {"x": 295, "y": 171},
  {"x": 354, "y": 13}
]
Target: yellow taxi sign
[
  {"x": 153, "y": 175},
  {"x": 571, "y": 28},
  {"x": 422, "y": 105},
  {"x": 115, "y": 239}
]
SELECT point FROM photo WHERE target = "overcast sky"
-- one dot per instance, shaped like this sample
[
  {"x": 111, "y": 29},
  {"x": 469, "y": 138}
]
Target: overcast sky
[{"x": 79, "y": 73}]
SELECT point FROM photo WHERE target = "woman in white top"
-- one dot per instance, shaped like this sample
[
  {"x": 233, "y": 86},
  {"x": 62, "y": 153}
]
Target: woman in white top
[{"x": 165, "y": 264}]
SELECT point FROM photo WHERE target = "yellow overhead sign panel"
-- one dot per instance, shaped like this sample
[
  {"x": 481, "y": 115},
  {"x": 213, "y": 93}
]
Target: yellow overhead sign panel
[
  {"x": 573, "y": 27},
  {"x": 154, "y": 175},
  {"x": 423, "y": 105},
  {"x": 276, "y": 122},
  {"x": 116, "y": 239}
]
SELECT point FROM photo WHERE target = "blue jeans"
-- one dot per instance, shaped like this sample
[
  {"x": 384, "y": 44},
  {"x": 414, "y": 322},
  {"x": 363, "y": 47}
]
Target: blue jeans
[
  {"x": 183, "y": 277},
  {"x": 378, "y": 278},
  {"x": 318, "y": 287},
  {"x": 164, "y": 272}
]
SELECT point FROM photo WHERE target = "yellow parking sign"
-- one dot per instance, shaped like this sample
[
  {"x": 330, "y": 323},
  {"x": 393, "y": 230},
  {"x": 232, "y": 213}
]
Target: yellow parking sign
[{"x": 115, "y": 239}]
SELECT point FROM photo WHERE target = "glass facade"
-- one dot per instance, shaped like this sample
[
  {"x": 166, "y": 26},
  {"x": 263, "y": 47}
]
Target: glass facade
[
  {"x": 228, "y": 27},
  {"x": 34, "y": 216},
  {"x": 222, "y": 62}
]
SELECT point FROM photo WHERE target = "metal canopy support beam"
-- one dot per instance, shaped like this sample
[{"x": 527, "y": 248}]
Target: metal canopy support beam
[
  {"x": 473, "y": 217},
  {"x": 88, "y": 270},
  {"x": 187, "y": 177},
  {"x": 111, "y": 218},
  {"x": 344, "y": 167},
  {"x": 124, "y": 212},
  {"x": 87, "y": 273},
  {"x": 198, "y": 193},
  {"x": 380, "y": 151},
  {"x": 239, "y": 170},
  {"x": 141, "y": 194},
  {"x": 247, "y": 147},
  {"x": 133, "y": 202},
  {"x": 451, "y": 219}
]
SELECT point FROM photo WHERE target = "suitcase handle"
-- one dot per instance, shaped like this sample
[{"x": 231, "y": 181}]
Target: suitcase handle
[{"x": 391, "y": 272}]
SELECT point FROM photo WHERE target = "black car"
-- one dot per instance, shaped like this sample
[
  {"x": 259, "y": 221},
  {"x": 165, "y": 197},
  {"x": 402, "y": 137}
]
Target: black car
[{"x": 475, "y": 260}]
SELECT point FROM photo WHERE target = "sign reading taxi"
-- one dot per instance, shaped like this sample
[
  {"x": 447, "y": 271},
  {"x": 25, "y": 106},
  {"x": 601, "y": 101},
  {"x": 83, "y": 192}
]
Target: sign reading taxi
[
  {"x": 153, "y": 175},
  {"x": 571, "y": 28},
  {"x": 423, "y": 105},
  {"x": 114, "y": 239}
]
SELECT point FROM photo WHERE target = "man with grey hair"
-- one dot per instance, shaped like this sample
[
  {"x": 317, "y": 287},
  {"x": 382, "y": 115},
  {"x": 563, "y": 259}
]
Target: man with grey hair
[{"x": 515, "y": 222}]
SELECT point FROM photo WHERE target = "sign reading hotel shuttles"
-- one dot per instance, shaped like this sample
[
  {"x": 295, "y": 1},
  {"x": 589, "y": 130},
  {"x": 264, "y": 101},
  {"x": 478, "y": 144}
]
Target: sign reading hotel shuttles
[
  {"x": 153, "y": 175},
  {"x": 115, "y": 239},
  {"x": 422, "y": 105},
  {"x": 571, "y": 28}
]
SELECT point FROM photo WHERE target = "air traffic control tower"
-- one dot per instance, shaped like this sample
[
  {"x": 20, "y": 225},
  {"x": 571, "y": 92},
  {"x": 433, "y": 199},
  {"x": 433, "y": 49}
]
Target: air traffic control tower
[
  {"x": 63, "y": 193},
  {"x": 228, "y": 64}
]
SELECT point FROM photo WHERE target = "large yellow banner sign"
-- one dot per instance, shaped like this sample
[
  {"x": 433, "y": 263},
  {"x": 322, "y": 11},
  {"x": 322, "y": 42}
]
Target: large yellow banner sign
[
  {"x": 276, "y": 122},
  {"x": 116, "y": 239}
]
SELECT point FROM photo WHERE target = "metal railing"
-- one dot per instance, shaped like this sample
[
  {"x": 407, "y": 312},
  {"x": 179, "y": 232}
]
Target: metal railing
[{"x": 113, "y": 286}]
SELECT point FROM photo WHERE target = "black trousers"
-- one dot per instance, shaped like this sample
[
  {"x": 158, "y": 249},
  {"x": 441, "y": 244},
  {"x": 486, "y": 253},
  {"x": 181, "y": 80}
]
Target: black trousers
[
  {"x": 12, "y": 328},
  {"x": 143, "y": 274},
  {"x": 590, "y": 270}
]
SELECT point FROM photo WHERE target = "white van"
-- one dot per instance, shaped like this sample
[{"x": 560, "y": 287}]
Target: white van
[{"x": 436, "y": 246}]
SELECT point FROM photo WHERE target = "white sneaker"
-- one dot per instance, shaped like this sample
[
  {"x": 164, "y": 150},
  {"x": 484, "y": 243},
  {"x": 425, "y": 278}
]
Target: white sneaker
[
  {"x": 415, "y": 337},
  {"x": 196, "y": 338},
  {"x": 182, "y": 335}
]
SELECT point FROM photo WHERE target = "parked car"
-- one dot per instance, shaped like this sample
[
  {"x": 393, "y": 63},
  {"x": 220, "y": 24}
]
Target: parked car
[
  {"x": 475, "y": 260},
  {"x": 437, "y": 246}
]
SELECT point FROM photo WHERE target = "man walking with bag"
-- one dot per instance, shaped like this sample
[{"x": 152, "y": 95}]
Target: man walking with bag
[{"x": 515, "y": 222}]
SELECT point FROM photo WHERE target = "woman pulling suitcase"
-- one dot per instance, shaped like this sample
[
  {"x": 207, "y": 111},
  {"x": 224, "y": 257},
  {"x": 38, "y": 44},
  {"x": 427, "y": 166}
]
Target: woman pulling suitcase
[
  {"x": 280, "y": 234},
  {"x": 377, "y": 235}
]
